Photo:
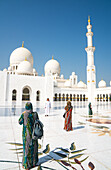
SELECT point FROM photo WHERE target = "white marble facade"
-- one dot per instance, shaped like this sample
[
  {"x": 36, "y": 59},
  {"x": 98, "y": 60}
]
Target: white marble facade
[{"x": 21, "y": 82}]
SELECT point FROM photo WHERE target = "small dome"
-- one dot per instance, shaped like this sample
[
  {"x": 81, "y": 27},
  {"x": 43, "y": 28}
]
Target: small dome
[
  {"x": 81, "y": 84},
  {"x": 67, "y": 83},
  {"x": 34, "y": 70},
  {"x": 62, "y": 76},
  {"x": 9, "y": 69},
  {"x": 102, "y": 83},
  {"x": 19, "y": 55},
  {"x": 52, "y": 66},
  {"x": 25, "y": 67},
  {"x": 5, "y": 70},
  {"x": 73, "y": 73}
]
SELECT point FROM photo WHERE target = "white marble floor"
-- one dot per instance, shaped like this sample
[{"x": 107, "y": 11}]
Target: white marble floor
[{"x": 98, "y": 146}]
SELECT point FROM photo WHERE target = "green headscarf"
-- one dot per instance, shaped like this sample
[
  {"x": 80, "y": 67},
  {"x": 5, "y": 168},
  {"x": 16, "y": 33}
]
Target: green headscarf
[{"x": 28, "y": 106}]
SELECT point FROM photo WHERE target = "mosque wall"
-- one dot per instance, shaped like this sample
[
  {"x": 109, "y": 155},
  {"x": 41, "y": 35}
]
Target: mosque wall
[
  {"x": 18, "y": 83},
  {"x": 103, "y": 94},
  {"x": 73, "y": 94},
  {"x": 3, "y": 87},
  {"x": 49, "y": 88}
]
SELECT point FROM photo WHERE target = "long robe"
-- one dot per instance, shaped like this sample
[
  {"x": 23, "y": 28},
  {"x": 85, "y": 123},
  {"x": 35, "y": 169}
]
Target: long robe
[
  {"x": 90, "y": 109},
  {"x": 47, "y": 107},
  {"x": 30, "y": 146},
  {"x": 68, "y": 120}
]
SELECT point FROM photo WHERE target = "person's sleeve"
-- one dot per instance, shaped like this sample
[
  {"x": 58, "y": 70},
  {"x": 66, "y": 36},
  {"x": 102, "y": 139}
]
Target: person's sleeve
[{"x": 21, "y": 119}]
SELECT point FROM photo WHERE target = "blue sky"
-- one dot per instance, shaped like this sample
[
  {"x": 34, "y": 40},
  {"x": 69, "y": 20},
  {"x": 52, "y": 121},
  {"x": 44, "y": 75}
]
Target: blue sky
[{"x": 58, "y": 28}]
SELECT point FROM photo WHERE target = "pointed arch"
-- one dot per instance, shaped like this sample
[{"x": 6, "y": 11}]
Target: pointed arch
[
  {"x": 26, "y": 91},
  {"x": 70, "y": 97},
  {"x": 38, "y": 95},
  {"x": 63, "y": 97},
  {"x": 67, "y": 97},
  {"x": 59, "y": 96},
  {"x": 55, "y": 98},
  {"x": 14, "y": 95}
]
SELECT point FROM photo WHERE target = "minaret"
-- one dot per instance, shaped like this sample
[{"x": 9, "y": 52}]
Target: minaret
[{"x": 91, "y": 74}]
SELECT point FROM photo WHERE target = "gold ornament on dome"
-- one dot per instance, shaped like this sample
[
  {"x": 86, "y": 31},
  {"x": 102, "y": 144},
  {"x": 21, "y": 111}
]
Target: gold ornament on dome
[
  {"x": 25, "y": 58},
  {"x": 22, "y": 43}
]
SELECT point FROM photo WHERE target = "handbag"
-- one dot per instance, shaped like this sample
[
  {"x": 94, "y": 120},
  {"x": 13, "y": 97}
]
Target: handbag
[{"x": 64, "y": 114}]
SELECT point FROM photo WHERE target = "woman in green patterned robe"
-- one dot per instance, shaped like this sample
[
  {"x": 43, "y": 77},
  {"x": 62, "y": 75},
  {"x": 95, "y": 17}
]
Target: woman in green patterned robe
[
  {"x": 90, "y": 109},
  {"x": 30, "y": 146}
]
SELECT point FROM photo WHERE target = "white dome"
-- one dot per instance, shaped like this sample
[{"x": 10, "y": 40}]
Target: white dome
[
  {"x": 73, "y": 73},
  {"x": 19, "y": 55},
  {"x": 67, "y": 83},
  {"x": 102, "y": 83},
  {"x": 81, "y": 84},
  {"x": 62, "y": 76},
  {"x": 34, "y": 70},
  {"x": 9, "y": 69},
  {"x": 52, "y": 66},
  {"x": 25, "y": 67},
  {"x": 5, "y": 70}
]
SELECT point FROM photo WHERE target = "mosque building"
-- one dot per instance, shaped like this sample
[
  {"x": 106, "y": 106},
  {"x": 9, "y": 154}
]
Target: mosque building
[{"x": 21, "y": 82}]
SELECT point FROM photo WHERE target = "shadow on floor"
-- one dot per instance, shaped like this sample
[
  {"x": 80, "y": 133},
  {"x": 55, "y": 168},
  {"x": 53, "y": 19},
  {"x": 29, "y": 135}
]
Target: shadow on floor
[
  {"x": 78, "y": 127},
  {"x": 52, "y": 115}
]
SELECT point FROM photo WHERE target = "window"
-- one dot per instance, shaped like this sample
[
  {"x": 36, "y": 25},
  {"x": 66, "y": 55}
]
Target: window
[
  {"x": 26, "y": 94},
  {"x": 104, "y": 97},
  {"x": 59, "y": 97},
  {"x": 97, "y": 97},
  {"x": 110, "y": 97},
  {"x": 63, "y": 97},
  {"x": 84, "y": 97},
  {"x": 38, "y": 95},
  {"x": 107, "y": 97},
  {"x": 77, "y": 97},
  {"x": 14, "y": 94},
  {"x": 70, "y": 97},
  {"x": 74, "y": 97},
  {"x": 55, "y": 96},
  {"x": 80, "y": 97},
  {"x": 100, "y": 97},
  {"x": 67, "y": 97}
]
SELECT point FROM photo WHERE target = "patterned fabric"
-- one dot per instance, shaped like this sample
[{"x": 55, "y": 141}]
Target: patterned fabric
[
  {"x": 68, "y": 120},
  {"x": 28, "y": 106},
  {"x": 30, "y": 146}
]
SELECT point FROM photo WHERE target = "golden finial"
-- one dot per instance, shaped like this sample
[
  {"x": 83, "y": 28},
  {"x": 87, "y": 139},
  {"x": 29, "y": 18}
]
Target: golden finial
[
  {"x": 25, "y": 58},
  {"x": 88, "y": 19},
  {"x": 52, "y": 57},
  {"x": 22, "y": 43}
]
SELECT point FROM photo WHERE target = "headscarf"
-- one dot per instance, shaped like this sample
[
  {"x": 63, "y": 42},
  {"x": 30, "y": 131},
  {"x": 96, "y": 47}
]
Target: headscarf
[
  {"x": 89, "y": 105},
  {"x": 68, "y": 106},
  {"x": 29, "y": 106}
]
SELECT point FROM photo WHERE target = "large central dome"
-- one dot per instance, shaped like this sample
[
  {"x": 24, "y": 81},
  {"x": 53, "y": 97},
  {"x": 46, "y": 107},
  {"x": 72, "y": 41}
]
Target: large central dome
[{"x": 19, "y": 55}]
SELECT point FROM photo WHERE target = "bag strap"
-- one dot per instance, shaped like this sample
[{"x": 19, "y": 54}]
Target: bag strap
[{"x": 36, "y": 115}]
